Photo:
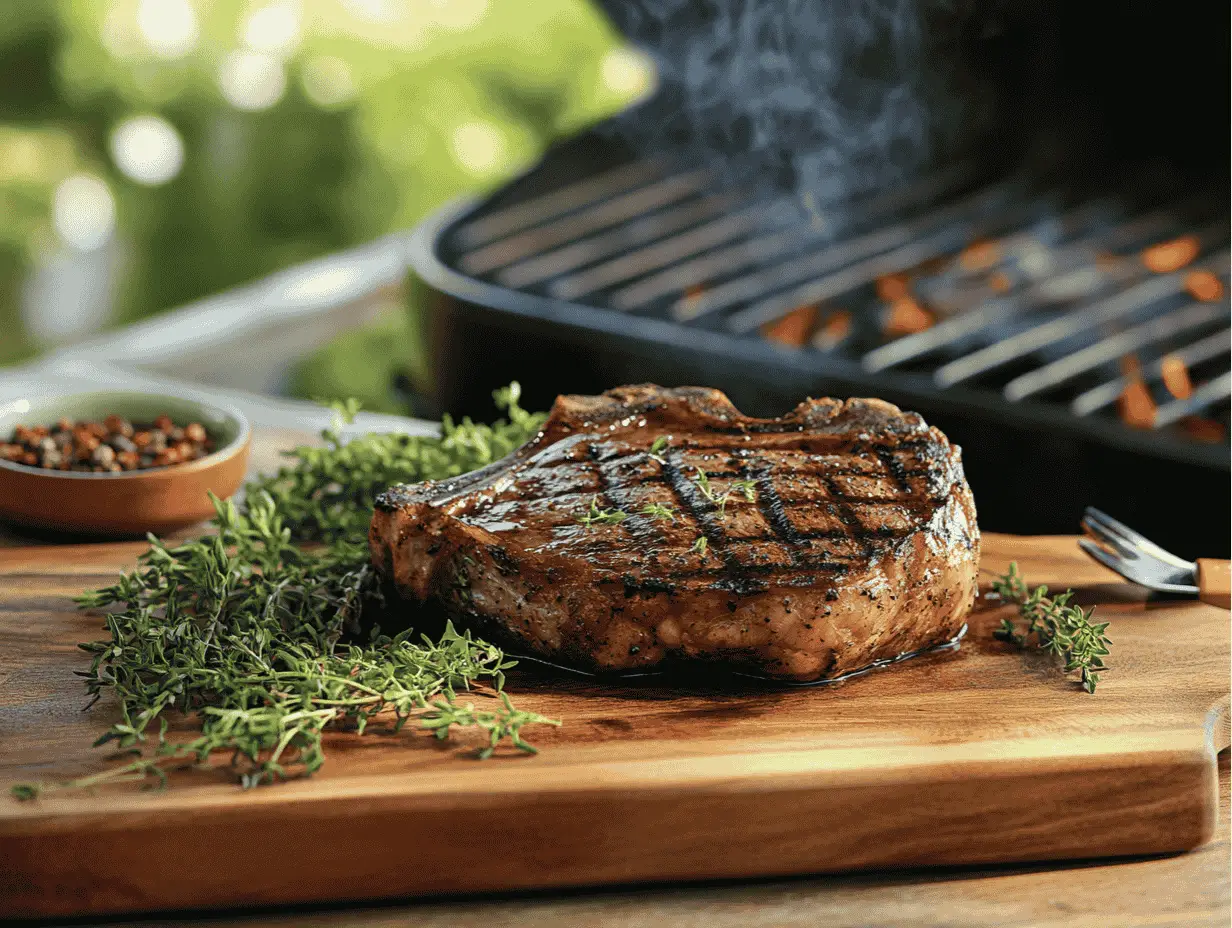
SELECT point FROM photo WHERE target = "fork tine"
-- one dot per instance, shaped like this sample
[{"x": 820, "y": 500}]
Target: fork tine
[
  {"x": 1108, "y": 539},
  {"x": 1139, "y": 541},
  {"x": 1112, "y": 562}
]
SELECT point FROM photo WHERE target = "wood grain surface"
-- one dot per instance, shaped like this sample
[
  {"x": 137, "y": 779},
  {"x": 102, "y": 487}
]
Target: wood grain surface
[
  {"x": 975, "y": 756},
  {"x": 1190, "y": 890}
]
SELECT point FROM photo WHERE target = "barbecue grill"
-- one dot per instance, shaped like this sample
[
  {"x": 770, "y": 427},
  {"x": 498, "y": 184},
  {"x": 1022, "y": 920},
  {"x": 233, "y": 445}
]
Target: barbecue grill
[{"x": 1064, "y": 318}]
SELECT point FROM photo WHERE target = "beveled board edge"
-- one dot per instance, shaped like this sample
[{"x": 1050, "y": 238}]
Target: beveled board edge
[{"x": 772, "y": 814}]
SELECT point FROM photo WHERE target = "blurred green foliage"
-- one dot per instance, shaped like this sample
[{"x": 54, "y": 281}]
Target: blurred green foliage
[{"x": 387, "y": 109}]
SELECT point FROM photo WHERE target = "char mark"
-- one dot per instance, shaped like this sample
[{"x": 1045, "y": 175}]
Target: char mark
[
  {"x": 393, "y": 499},
  {"x": 771, "y": 505},
  {"x": 615, "y": 493},
  {"x": 894, "y": 467},
  {"x": 848, "y": 517},
  {"x": 505, "y": 562},
  {"x": 736, "y": 576}
]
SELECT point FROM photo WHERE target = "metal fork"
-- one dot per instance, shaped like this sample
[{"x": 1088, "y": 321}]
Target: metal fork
[{"x": 1139, "y": 560}]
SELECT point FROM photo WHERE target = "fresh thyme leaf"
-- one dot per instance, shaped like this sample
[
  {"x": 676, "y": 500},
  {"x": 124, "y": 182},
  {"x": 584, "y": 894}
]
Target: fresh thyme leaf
[
  {"x": 505, "y": 723},
  {"x": 328, "y": 492},
  {"x": 745, "y": 487},
  {"x": 659, "y": 511},
  {"x": 1061, "y": 629},
  {"x": 603, "y": 516},
  {"x": 257, "y": 638},
  {"x": 659, "y": 445},
  {"x": 703, "y": 484},
  {"x": 700, "y": 545}
]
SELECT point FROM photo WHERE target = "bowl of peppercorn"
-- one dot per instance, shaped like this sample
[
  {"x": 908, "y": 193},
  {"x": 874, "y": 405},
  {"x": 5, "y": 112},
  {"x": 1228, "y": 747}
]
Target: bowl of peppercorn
[{"x": 115, "y": 463}]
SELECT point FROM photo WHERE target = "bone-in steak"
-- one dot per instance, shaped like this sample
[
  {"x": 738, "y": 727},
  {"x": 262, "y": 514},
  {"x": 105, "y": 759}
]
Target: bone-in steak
[{"x": 859, "y": 543}]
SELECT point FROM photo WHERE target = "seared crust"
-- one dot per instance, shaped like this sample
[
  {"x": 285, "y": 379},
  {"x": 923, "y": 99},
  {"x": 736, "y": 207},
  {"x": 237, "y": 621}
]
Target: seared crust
[{"x": 861, "y": 544}]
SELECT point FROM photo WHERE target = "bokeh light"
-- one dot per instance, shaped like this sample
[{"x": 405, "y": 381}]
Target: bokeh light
[
  {"x": 274, "y": 29},
  {"x": 375, "y": 11},
  {"x": 327, "y": 81},
  {"x": 83, "y": 212},
  {"x": 459, "y": 15},
  {"x": 479, "y": 147},
  {"x": 397, "y": 106},
  {"x": 147, "y": 149},
  {"x": 252, "y": 81},
  {"x": 169, "y": 27},
  {"x": 628, "y": 71},
  {"x": 120, "y": 33}
]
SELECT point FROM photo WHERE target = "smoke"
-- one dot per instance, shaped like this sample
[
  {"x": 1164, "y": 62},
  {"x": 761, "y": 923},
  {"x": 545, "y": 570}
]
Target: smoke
[{"x": 827, "y": 99}]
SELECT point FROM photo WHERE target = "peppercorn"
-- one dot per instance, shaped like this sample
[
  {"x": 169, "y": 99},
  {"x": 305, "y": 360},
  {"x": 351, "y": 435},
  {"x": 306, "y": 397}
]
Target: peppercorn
[
  {"x": 111, "y": 446},
  {"x": 118, "y": 427}
]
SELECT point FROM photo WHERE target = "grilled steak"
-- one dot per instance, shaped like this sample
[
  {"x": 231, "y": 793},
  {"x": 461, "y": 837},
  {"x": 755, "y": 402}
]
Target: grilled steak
[{"x": 804, "y": 547}]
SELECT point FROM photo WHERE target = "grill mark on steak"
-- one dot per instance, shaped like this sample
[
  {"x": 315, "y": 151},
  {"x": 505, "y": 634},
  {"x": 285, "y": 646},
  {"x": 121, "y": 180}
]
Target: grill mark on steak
[
  {"x": 606, "y": 489},
  {"x": 848, "y": 517},
  {"x": 772, "y": 506},
  {"x": 860, "y": 543},
  {"x": 895, "y": 468},
  {"x": 701, "y": 510}
]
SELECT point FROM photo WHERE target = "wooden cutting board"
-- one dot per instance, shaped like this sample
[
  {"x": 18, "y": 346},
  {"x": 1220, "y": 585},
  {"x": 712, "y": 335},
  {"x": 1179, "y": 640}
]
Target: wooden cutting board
[{"x": 983, "y": 754}]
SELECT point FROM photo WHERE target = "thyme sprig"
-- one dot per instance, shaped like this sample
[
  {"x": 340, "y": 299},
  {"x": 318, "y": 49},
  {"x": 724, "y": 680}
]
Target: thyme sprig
[
  {"x": 262, "y": 644},
  {"x": 746, "y": 488},
  {"x": 1059, "y": 628},
  {"x": 596, "y": 514},
  {"x": 660, "y": 511},
  {"x": 601, "y": 516}
]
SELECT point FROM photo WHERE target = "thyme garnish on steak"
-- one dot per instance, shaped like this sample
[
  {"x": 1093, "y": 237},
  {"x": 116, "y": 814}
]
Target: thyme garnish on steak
[
  {"x": 602, "y": 516},
  {"x": 1059, "y": 628},
  {"x": 659, "y": 511},
  {"x": 262, "y": 645},
  {"x": 745, "y": 487}
]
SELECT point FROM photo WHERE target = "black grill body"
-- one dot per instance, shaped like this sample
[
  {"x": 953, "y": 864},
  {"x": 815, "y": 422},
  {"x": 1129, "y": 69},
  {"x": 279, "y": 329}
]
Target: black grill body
[{"x": 617, "y": 260}]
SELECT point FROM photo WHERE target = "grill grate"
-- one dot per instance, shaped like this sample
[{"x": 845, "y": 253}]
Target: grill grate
[{"x": 1102, "y": 307}]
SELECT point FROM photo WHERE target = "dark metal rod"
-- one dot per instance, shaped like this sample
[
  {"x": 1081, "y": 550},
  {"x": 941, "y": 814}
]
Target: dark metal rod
[
  {"x": 608, "y": 213},
  {"x": 639, "y": 231},
  {"x": 760, "y": 248},
  {"x": 1080, "y": 319},
  {"x": 1022, "y": 251},
  {"x": 1107, "y": 393},
  {"x": 1069, "y": 276},
  {"x": 663, "y": 252},
  {"x": 842, "y": 254},
  {"x": 1203, "y": 396},
  {"x": 500, "y": 223},
  {"x": 697, "y": 271},
  {"x": 1113, "y": 347},
  {"x": 839, "y": 277}
]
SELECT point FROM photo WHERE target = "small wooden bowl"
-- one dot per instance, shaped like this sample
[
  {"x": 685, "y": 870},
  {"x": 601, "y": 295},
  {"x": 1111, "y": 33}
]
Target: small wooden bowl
[{"x": 132, "y": 502}]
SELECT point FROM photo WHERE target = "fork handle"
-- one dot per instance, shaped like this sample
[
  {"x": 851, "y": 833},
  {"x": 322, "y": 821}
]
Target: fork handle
[{"x": 1215, "y": 582}]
